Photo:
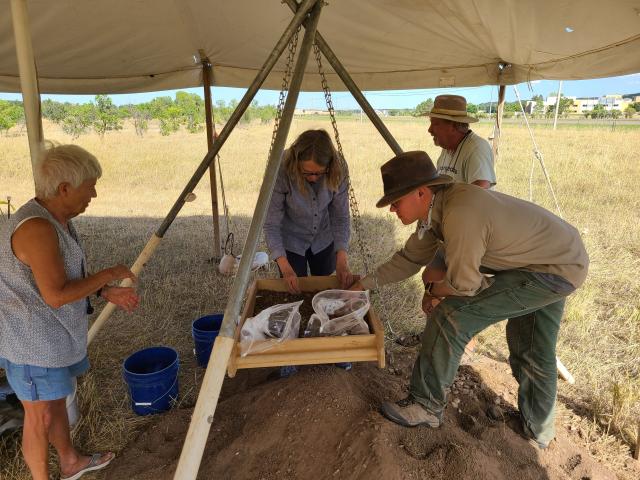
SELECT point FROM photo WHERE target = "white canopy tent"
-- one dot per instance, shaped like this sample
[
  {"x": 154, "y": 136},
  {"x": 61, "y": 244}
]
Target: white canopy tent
[{"x": 125, "y": 46}]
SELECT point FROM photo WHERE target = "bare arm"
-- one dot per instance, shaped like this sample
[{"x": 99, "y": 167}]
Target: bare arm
[{"x": 35, "y": 243}]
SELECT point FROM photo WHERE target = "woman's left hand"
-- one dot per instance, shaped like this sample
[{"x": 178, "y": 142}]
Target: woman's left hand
[
  {"x": 124, "y": 297},
  {"x": 345, "y": 277}
]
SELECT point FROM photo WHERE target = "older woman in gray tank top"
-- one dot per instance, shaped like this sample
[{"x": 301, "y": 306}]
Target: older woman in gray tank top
[{"x": 45, "y": 289}]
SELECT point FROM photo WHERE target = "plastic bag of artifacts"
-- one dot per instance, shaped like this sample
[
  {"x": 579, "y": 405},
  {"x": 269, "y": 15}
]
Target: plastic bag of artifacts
[
  {"x": 338, "y": 312},
  {"x": 270, "y": 327}
]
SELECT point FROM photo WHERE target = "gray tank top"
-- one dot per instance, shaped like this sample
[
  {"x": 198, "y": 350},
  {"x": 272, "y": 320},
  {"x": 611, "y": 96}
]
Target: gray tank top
[{"x": 32, "y": 332}]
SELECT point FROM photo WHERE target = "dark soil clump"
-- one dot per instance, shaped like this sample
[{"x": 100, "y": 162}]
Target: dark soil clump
[{"x": 268, "y": 298}]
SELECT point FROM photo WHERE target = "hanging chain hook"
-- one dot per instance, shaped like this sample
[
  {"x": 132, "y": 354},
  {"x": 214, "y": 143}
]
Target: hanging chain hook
[
  {"x": 365, "y": 251},
  {"x": 291, "y": 53},
  {"x": 228, "y": 245}
]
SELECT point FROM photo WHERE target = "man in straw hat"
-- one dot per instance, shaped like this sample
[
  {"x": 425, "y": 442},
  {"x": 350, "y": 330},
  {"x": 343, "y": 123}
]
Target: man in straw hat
[
  {"x": 465, "y": 156},
  {"x": 536, "y": 258}
]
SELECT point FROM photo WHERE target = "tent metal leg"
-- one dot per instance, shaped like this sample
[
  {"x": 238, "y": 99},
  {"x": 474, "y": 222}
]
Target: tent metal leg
[
  {"x": 202, "y": 417},
  {"x": 208, "y": 159},
  {"x": 28, "y": 77},
  {"x": 351, "y": 85}
]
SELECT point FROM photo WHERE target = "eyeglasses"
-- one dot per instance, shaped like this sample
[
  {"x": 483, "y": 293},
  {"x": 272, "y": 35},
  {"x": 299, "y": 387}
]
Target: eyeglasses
[{"x": 314, "y": 174}]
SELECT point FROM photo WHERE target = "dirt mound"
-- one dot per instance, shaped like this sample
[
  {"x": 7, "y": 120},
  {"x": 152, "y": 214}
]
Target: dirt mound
[{"x": 324, "y": 423}]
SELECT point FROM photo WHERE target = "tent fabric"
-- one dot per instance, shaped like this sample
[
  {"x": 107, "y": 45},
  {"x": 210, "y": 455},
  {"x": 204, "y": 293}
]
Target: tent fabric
[{"x": 120, "y": 46}]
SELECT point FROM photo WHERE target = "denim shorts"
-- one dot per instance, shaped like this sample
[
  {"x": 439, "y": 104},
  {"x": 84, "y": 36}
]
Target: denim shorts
[{"x": 33, "y": 383}]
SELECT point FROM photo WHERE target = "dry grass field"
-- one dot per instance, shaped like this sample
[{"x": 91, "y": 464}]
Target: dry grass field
[{"x": 595, "y": 172}]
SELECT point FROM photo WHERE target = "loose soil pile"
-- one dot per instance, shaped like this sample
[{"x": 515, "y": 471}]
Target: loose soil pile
[{"x": 324, "y": 423}]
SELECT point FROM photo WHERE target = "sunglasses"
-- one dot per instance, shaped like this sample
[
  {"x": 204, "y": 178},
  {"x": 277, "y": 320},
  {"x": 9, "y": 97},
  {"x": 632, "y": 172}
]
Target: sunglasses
[{"x": 314, "y": 174}]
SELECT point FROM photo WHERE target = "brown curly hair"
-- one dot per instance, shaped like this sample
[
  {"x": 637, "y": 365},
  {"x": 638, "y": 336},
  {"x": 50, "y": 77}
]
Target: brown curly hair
[{"x": 315, "y": 145}]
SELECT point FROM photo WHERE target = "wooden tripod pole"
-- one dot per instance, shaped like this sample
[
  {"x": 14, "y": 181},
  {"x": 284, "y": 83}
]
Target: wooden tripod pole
[
  {"x": 498, "y": 127},
  {"x": 206, "y": 80},
  {"x": 136, "y": 268},
  {"x": 202, "y": 417}
]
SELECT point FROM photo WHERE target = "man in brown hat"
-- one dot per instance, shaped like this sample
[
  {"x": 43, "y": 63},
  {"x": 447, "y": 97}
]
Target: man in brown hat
[
  {"x": 465, "y": 156},
  {"x": 536, "y": 259}
]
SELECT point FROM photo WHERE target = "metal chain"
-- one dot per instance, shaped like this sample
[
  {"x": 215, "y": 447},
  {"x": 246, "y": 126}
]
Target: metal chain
[
  {"x": 367, "y": 258},
  {"x": 292, "y": 47},
  {"x": 365, "y": 251}
]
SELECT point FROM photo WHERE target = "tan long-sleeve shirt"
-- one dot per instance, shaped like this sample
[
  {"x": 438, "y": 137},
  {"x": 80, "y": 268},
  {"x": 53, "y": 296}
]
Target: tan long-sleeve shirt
[{"x": 489, "y": 231}]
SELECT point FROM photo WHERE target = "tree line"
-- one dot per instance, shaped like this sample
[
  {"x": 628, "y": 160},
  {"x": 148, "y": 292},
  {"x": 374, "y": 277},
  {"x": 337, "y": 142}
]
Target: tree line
[{"x": 186, "y": 111}]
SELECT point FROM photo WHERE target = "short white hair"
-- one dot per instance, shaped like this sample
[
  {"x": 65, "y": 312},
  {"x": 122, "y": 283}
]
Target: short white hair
[{"x": 63, "y": 163}]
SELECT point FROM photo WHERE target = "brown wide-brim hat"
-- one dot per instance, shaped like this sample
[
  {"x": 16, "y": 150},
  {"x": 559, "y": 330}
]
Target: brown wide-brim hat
[
  {"x": 406, "y": 172},
  {"x": 451, "y": 107}
]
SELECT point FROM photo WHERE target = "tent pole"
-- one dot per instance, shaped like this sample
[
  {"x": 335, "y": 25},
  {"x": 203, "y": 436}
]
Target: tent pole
[
  {"x": 351, "y": 85},
  {"x": 202, "y": 417},
  {"x": 28, "y": 78},
  {"x": 497, "y": 130},
  {"x": 206, "y": 80},
  {"x": 555, "y": 116},
  {"x": 154, "y": 241}
]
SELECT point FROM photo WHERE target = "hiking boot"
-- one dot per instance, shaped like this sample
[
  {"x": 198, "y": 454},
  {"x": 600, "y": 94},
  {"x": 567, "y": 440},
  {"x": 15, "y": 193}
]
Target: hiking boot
[
  {"x": 528, "y": 435},
  {"x": 288, "y": 370},
  {"x": 514, "y": 420},
  {"x": 409, "y": 413},
  {"x": 346, "y": 366}
]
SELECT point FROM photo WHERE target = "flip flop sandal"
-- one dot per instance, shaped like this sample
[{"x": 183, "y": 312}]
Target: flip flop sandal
[{"x": 91, "y": 467}]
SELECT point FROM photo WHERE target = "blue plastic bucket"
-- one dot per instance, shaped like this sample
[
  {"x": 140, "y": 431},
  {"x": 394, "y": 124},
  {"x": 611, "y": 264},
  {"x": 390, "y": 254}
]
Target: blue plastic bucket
[
  {"x": 204, "y": 331},
  {"x": 152, "y": 377}
]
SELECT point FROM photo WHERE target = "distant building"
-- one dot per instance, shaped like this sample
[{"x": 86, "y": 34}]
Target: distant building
[
  {"x": 584, "y": 105},
  {"x": 551, "y": 101},
  {"x": 528, "y": 108},
  {"x": 614, "y": 102}
]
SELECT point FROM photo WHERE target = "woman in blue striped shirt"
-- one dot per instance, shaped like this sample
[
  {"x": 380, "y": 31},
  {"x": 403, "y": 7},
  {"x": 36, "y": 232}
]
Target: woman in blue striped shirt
[{"x": 307, "y": 228}]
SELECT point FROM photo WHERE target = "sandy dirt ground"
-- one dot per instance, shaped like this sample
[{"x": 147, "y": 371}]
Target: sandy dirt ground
[{"x": 324, "y": 423}]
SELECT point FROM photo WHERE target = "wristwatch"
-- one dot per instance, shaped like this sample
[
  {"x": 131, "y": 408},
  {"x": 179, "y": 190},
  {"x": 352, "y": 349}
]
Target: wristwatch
[{"x": 427, "y": 288}]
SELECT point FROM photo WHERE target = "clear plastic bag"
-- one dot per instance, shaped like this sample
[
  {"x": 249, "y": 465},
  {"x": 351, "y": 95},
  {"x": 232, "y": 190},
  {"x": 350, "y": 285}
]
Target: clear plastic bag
[
  {"x": 270, "y": 327},
  {"x": 339, "y": 312}
]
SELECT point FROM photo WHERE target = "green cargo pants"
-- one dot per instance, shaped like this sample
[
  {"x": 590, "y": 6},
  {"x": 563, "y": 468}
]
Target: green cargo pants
[{"x": 533, "y": 312}]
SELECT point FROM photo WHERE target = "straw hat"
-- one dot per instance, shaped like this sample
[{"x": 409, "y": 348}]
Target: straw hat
[
  {"x": 406, "y": 172},
  {"x": 451, "y": 107}
]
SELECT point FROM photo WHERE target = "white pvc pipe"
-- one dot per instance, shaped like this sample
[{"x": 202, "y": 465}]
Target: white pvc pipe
[
  {"x": 555, "y": 116},
  {"x": 28, "y": 77}
]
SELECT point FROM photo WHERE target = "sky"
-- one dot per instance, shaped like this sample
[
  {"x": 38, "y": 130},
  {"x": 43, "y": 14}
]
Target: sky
[{"x": 391, "y": 98}]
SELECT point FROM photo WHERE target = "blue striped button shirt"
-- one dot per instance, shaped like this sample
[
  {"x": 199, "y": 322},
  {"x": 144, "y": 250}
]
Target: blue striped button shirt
[{"x": 298, "y": 221}]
